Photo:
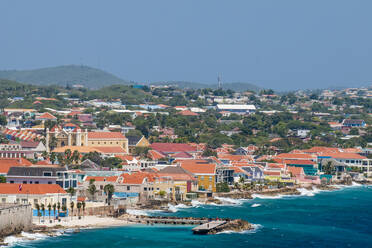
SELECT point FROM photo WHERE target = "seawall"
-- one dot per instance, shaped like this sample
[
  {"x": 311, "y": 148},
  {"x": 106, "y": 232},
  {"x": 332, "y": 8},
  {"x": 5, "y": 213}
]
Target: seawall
[{"x": 14, "y": 219}]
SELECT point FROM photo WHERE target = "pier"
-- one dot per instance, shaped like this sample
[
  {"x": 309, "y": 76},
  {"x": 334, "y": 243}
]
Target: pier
[
  {"x": 168, "y": 220},
  {"x": 208, "y": 227},
  {"x": 203, "y": 225}
]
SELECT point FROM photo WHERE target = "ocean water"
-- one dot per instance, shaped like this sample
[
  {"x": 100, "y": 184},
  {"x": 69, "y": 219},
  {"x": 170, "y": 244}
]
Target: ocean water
[{"x": 315, "y": 219}]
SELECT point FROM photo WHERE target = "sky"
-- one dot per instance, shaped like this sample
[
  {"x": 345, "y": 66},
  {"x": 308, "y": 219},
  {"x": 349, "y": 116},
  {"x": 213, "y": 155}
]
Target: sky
[{"x": 279, "y": 44}]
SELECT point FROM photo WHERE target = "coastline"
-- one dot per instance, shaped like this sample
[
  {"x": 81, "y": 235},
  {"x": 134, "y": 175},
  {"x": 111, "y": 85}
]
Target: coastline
[{"x": 69, "y": 227}]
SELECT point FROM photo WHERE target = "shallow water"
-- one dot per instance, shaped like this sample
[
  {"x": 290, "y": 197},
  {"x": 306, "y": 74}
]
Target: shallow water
[{"x": 315, "y": 219}]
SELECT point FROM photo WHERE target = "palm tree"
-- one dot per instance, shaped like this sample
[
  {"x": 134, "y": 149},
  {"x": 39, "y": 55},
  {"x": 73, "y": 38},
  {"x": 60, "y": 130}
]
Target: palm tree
[
  {"x": 54, "y": 210},
  {"x": 241, "y": 180},
  {"x": 76, "y": 156},
  {"x": 43, "y": 210},
  {"x": 58, "y": 206},
  {"x": 83, "y": 205},
  {"x": 53, "y": 157},
  {"x": 37, "y": 206},
  {"x": 109, "y": 190},
  {"x": 68, "y": 158},
  {"x": 71, "y": 191},
  {"x": 49, "y": 209},
  {"x": 72, "y": 204},
  {"x": 78, "y": 207},
  {"x": 92, "y": 190}
]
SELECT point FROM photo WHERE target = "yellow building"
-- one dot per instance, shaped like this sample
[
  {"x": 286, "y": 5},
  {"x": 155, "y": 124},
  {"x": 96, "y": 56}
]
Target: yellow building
[
  {"x": 205, "y": 174},
  {"x": 72, "y": 135}
]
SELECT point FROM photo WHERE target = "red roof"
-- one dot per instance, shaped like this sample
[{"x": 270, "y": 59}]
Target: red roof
[
  {"x": 295, "y": 170},
  {"x": 48, "y": 116},
  {"x": 32, "y": 189},
  {"x": 295, "y": 161},
  {"x": 105, "y": 135},
  {"x": 110, "y": 149},
  {"x": 155, "y": 155},
  {"x": 343, "y": 155},
  {"x": 6, "y": 163},
  {"x": 272, "y": 173},
  {"x": 136, "y": 177},
  {"x": 199, "y": 168},
  {"x": 102, "y": 179},
  {"x": 188, "y": 113},
  {"x": 172, "y": 147},
  {"x": 295, "y": 156}
]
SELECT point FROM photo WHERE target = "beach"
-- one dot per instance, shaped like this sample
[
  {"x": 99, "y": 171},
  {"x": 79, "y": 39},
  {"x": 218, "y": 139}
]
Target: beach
[{"x": 84, "y": 222}]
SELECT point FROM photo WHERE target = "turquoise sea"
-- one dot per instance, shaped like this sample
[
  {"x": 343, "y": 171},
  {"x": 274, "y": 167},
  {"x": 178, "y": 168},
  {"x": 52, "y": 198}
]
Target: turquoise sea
[{"x": 326, "y": 219}]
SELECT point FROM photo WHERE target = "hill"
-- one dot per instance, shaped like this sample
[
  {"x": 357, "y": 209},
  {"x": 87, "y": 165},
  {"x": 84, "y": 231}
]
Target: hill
[
  {"x": 63, "y": 75},
  {"x": 95, "y": 78},
  {"x": 236, "y": 86}
]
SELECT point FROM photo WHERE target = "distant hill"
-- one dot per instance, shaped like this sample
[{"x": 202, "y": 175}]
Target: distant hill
[
  {"x": 63, "y": 75},
  {"x": 236, "y": 86},
  {"x": 95, "y": 78}
]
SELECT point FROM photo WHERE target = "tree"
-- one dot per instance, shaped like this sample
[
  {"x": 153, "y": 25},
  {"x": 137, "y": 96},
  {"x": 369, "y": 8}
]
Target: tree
[
  {"x": 354, "y": 131},
  {"x": 83, "y": 205},
  {"x": 43, "y": 210},
  {"x": 72, "y": 204},
  {"x": 58, "y": 206},
  {"x": 54, "y": 209},
  {"x": 2, "y": 179},
  {"x": 222, "y": 187},
  {"x": 76, "y": 156},
  {"x": 49, "y": 209},
  {"x": 3, "y": 120},
  {"x": 71, "y": 191},
  {"x": 109, "y": 190},
  {"x": 92, "y": 190},
  {"x": 78, "y": 205},
  {"x": 53, "y": 157},
  {"x": 37, "y": 206}
]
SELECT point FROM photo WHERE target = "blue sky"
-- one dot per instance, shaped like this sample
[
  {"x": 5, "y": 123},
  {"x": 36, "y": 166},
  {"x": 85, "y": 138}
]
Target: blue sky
[{"x": 280, "y": 44}]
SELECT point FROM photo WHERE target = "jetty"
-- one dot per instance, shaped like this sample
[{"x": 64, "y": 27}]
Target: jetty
[
  {"x": 204, "y": 225},
  {"x": 207, "y": 227},
  {"x": 168, "y": 220}
]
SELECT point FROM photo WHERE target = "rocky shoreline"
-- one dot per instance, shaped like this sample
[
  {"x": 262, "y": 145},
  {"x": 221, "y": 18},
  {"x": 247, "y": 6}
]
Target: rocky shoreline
[{"x": 237, "y": 225}]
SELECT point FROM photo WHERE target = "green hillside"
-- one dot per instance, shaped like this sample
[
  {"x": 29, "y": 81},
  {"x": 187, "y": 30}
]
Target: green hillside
[{"x": 63, "y": 75}]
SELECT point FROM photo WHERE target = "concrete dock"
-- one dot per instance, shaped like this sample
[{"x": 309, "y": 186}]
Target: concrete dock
[{"x": 207, "y": 227}]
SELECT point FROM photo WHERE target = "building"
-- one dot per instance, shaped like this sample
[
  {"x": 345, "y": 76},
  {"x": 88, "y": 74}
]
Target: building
[
  {"x": 237, "y": 108},
  {"x": 72, "y": 135},
  {"x": 353, "y": 123},
  {"x": 136, "y": 141},
  {"x": 42, "y": 175},
  {"x": 204, "y": 173},
  {"x": 33, "y": 194}
]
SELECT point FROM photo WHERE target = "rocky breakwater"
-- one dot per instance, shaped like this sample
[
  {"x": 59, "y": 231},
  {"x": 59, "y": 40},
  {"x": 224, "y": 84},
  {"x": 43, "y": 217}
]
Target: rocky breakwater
[
  {"x": 223, "y": 225},
  {"x": 281, "y": 191},
  {"x": 235, "y": 195}
]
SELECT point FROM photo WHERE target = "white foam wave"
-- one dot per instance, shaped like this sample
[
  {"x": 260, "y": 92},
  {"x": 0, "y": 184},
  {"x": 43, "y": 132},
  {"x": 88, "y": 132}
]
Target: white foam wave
[
  {"x": 255, "y": 205},
  {"x": 229, "y": 201},
  {"x": 24, "y": 238},
  {"x": 137, "y": 212},
  {"x": 256, "y": 227},
  {"x": 259, "y": 196},
  {"x": 175, "y": 208}
]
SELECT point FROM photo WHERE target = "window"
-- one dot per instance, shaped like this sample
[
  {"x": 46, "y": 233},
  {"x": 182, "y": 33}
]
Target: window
[
  {"x": 210, "y": 179},
  {"x": 49, "y": 182},
  {"x": 11, "y": 181},
  {"x": 47, "y": 174},
  {"x": 36, "y": 182},
  {"x": 145, "y": 188},
  {"x": 128, "y": 187},
  {"x": 3, "y": 200},
  {"x": 24, "y": 182}
]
